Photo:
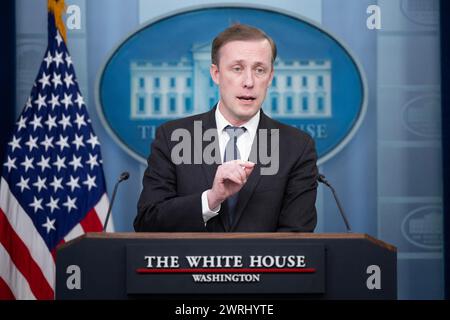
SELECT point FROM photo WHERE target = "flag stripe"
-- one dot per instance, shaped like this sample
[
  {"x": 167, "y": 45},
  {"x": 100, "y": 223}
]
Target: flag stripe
[
  {"x": 13, "y": 279},
  {"x": 74, "y": 233},
  {"x": 102, "y": 209},
  {"x": 91, "y": 222},
  {"x": 5, "y": 291},
  {"x": 24, "y": 262},
  {"x": 21, "y": 224}
]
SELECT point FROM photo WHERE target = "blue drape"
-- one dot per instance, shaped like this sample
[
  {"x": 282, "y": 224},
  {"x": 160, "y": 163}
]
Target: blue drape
[
  {"x": 7, "y": 74},
  {"x": 445, "y": 89}
]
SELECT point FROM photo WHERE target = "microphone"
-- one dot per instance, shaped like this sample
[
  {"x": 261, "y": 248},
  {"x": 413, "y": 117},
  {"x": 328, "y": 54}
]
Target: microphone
[
  {"x": 321, "y": 178},
  {"x": 123, "y": 176}
]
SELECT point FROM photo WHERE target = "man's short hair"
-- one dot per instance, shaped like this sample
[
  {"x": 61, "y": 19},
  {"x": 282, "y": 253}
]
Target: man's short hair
[{"x": 239, "y": 32}]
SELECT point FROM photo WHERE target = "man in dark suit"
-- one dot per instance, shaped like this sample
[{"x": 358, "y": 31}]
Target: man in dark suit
[{"x": 183, "y": 190}]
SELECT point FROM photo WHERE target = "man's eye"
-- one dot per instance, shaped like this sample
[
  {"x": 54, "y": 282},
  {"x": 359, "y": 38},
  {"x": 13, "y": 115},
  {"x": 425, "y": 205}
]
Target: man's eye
[
  {"x": 237, "y": 69},
  {"x": 260, "y": 70}
]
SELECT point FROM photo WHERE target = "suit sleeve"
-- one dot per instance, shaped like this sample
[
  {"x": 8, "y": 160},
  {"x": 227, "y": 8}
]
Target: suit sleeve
[
  {"x": 298, "y": 213},
  {"x": 159, "y": 207}
]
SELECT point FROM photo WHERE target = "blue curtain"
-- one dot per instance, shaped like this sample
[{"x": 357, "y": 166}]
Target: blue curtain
[
  {"x": 7, "y": 74},
  {"x": 445, "y": 89}
]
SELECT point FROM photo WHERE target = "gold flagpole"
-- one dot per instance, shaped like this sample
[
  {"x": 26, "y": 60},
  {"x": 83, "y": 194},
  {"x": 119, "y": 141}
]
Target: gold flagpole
[{"x": 58, "y": 7}]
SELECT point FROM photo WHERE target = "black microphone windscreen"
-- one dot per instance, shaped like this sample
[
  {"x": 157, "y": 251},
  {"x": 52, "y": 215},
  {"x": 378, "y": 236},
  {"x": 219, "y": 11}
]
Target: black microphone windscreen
[{"x": 124, "y": 176}]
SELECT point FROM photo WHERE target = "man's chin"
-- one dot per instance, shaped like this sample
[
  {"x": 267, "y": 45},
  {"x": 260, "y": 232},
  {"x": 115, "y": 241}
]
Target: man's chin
[{"x": 247, "y": 113}]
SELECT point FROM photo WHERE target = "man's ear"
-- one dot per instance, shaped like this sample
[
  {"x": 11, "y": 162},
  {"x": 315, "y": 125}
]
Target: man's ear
[{"x": 214, "y": 71}]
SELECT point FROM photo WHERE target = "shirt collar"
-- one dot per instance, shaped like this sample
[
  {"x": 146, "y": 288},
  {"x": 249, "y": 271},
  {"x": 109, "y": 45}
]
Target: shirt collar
[{"x": 251, "y": 125}]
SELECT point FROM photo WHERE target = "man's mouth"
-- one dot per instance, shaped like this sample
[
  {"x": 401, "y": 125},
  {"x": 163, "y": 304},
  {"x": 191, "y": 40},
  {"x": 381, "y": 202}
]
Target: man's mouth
[{"x": 246, "y": 98}]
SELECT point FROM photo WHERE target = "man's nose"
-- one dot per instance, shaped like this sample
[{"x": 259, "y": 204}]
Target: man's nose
[{"x": 248, "y": 80}]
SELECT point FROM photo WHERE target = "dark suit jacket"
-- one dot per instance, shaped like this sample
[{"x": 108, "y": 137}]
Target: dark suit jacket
[{"x": 171, "y": 197}]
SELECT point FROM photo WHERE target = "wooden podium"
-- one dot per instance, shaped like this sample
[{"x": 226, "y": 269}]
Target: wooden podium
[{"x": 226, "y": 266}]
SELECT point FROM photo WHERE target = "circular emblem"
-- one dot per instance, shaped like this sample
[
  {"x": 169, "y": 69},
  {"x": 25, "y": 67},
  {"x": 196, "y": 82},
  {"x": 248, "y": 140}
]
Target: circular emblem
[
  {"x": 421, "y": 116},
  {"x": 423, "y": 227},
  {"x": 161, "y": 72},
  {"x": 423, "y": 12}
]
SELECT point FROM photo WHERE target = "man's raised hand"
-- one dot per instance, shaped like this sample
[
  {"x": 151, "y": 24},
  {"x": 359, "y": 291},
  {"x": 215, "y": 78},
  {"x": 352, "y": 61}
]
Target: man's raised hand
[{"x": 229, "y": 179}]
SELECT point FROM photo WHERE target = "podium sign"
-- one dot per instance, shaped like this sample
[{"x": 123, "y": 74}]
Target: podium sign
[
  {"x": 226, "y": 266},
  {"x": 217, "y": 267}
]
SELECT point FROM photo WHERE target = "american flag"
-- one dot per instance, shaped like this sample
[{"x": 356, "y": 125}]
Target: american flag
[{"x": 52, "y": 186}]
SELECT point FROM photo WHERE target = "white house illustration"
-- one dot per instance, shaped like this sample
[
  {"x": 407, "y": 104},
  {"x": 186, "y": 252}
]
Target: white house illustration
[
  {"x": 429, "y": 223},
  {"x": 300, "y": 88}
]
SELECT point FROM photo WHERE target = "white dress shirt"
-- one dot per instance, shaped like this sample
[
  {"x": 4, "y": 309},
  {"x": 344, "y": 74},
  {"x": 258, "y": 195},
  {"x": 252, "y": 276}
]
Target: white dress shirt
[{"x": 244, "y": 144}]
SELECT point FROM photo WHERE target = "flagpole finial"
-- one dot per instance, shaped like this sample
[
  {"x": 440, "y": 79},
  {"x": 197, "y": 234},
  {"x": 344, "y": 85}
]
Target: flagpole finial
[{"x": 57, "y": 7}]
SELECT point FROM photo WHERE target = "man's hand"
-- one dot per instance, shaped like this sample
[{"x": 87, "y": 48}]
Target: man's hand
[{"x": 230, "y": 178}]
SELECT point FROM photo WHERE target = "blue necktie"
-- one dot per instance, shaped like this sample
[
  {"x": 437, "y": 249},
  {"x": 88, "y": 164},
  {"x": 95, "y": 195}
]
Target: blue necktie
[{"x": 232, "y": 153}]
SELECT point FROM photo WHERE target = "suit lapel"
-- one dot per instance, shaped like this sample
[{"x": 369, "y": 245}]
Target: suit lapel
[
  {"x": 209, "y": 122},
  {"x": 247, "y": 191}
]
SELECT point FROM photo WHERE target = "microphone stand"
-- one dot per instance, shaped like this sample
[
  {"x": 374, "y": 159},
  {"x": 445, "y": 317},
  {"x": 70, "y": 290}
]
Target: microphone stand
[
  {"x": 321, "y": 178},
  {"x": 123, "y": 176}
]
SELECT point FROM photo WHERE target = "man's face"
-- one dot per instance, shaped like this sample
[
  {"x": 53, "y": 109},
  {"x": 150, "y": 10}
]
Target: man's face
[{"x": 243, "y": 75}]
